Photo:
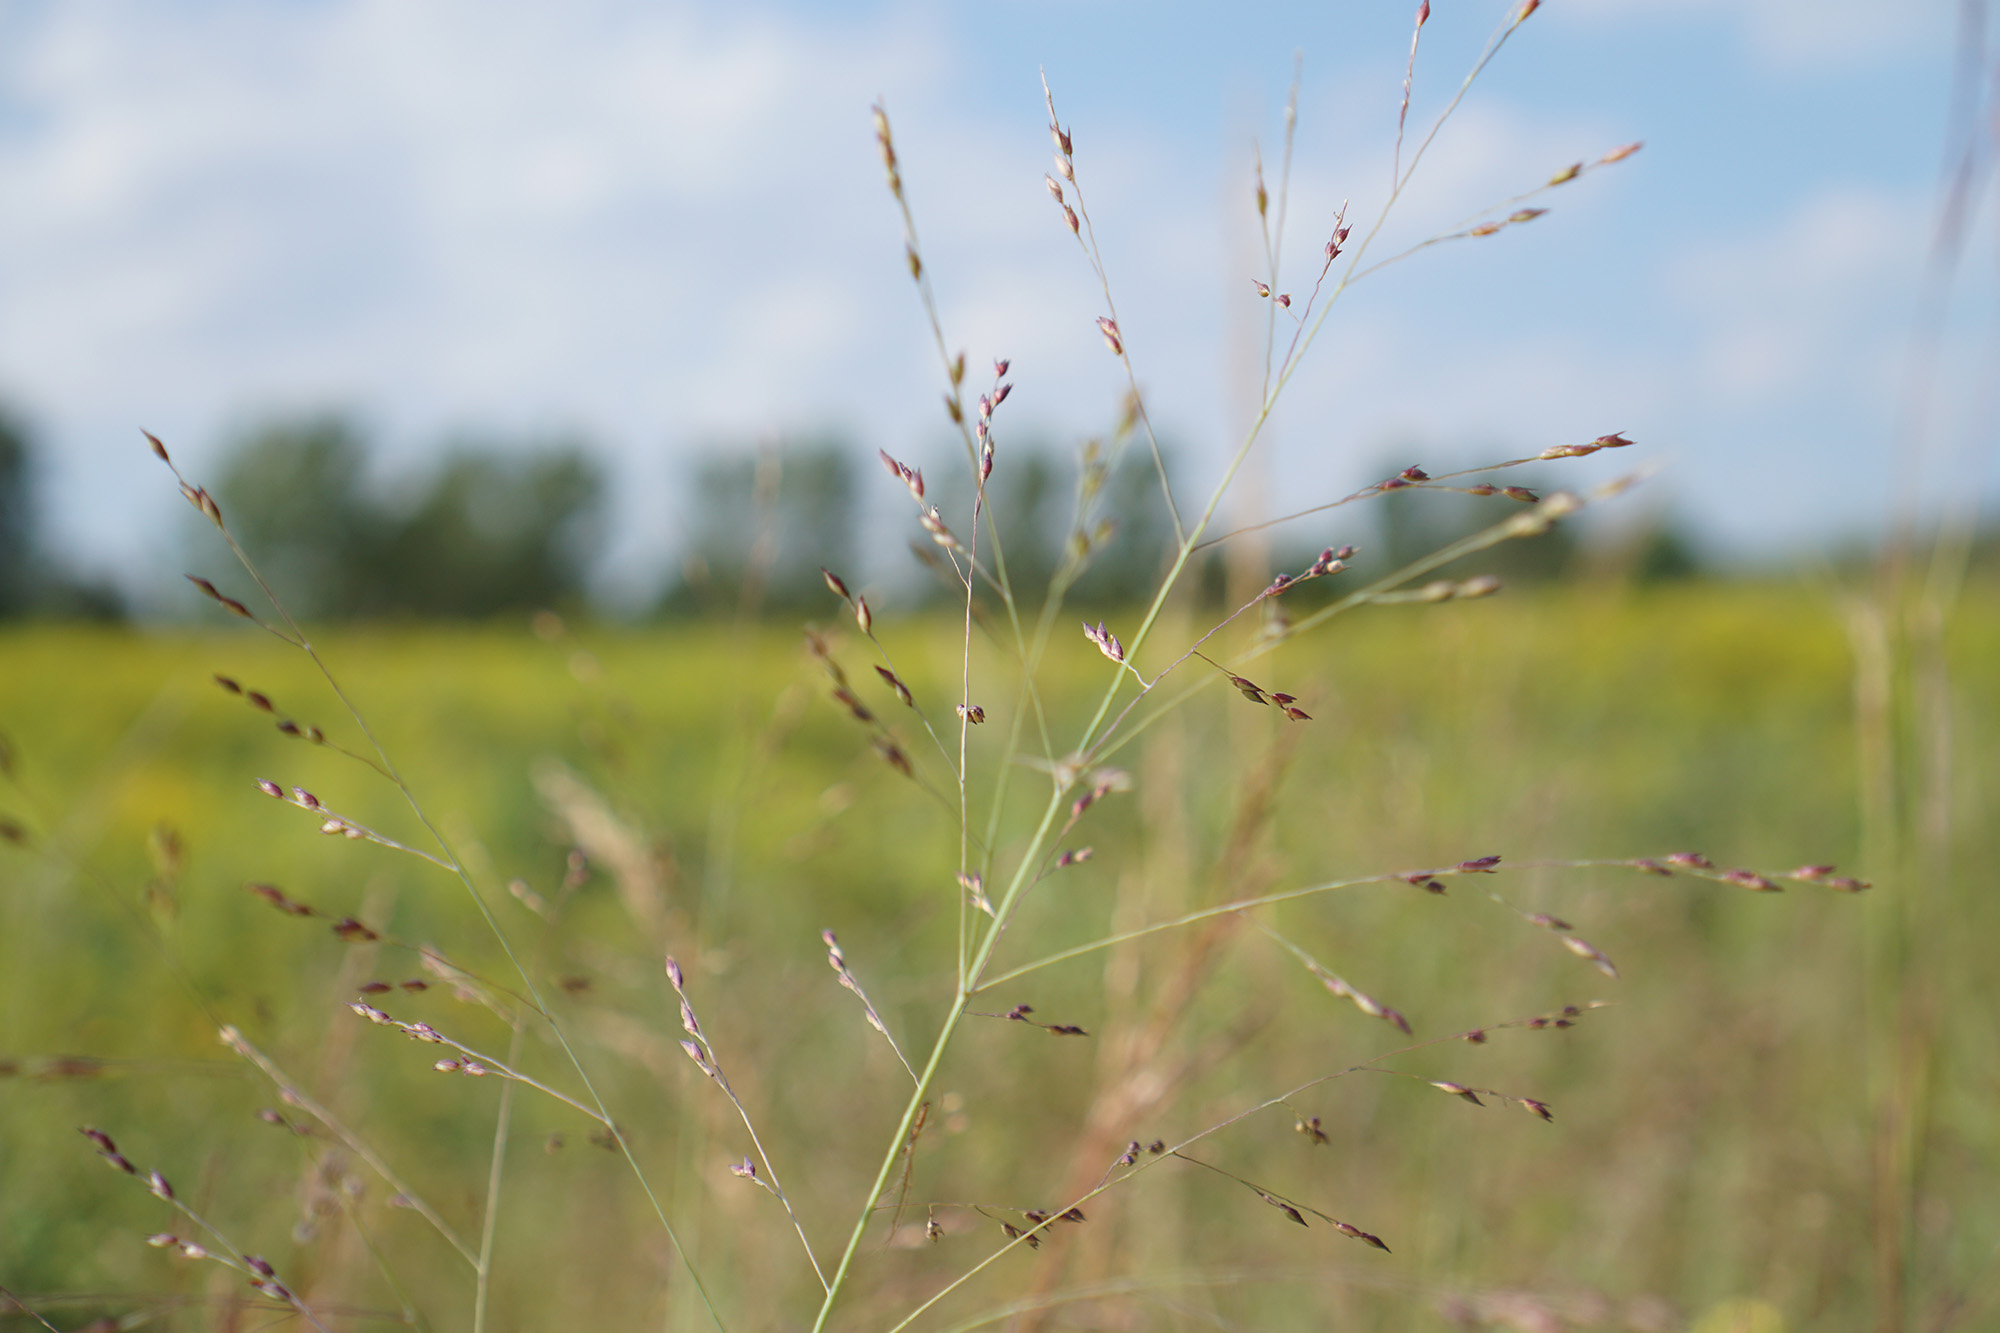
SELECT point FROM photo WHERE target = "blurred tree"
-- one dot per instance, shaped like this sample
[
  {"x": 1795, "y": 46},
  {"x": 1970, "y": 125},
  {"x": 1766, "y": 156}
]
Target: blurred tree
[
  {"x": 763, "y": 524},
  {"x": 497, "y": 528},
  {"x": 1411, "y": 524},
  {"x": 293, "y": 492},
  {"x": 494, "y": 533},
  {"x": 32, "y": 582},
  {"x": 1667, "y": 555},
  {"x": 1108, "y": 516},
  {"x": 1033, "y": 501},
  {"x": 1126, "y": 535},
  {"x": 17, "y": 516}
]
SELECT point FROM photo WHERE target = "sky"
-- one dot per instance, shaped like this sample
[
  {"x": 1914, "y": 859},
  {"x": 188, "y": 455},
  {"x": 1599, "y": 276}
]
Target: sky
[{"x": 665, "y": 227}]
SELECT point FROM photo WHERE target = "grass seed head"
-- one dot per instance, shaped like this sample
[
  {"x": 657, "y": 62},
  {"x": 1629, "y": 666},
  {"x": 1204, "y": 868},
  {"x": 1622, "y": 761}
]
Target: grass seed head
[
  {"x": 1583, "y": 948},
  {"x": 1107, "y": 642},
  {"x": 896, "y": 684},
  {"x": 1457, "y": 1090},
  {"x": 892, "y": 755}
]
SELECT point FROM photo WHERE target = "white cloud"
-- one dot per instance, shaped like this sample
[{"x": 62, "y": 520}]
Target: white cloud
[
  {"x": 623, "y": 214},
  {"x": 667, "y": 226},
  {"x": 1797, "y": 35},
  {"x": 1782, "y": 306}
]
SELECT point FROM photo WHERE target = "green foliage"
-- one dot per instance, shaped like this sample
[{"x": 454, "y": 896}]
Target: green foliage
[
  {"x": 761, "y": 524},
  {"x": 1413, "y": 523},
  {"x": 1553, "y": 722},
  {"x": 1054, "y": 512},
  {"x": 32, "y": 583},
  {"x": 293, "y": 491},
  {"x": 16, "y": 517},
  {"x": 493, "y": 533},
  {"x": 494, "y": 529}
]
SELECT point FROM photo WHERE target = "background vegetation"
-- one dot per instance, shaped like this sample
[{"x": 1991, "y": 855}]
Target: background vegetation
[{"x": 1718, "y": 1132}]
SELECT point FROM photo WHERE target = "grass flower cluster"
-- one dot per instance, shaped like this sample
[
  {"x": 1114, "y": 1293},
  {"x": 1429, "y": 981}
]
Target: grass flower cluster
[{"x": 1027, "y": 1088}]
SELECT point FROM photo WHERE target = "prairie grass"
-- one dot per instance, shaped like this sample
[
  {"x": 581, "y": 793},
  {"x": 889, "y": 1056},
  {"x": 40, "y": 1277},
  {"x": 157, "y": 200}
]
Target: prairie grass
[
  {"x": 1238, "y": 1028},
  {"x": 1709, "y": 1137}
]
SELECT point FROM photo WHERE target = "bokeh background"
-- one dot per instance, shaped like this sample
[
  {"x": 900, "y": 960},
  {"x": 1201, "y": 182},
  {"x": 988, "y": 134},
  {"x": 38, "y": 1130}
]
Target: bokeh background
[
  {"x": 660, "y": 231},
  {"x": 541, "y": 356}
]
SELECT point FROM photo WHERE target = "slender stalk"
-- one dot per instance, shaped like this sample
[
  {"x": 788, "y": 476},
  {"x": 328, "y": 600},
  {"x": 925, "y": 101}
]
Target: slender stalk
[
  {"x": 777, "y": 1188},
  {"x": 889, "y": 1162},
  {"x": 297, "y": 1096},
  {"x": 17, "y": 1303},
  {"x": 1087, "y": 238},
  {"x": 1172, "y": 1152},
  {"x": 489, "y": 1225},
  {"x": 1187, "y": 539},
  {"x": 297, "y": 638}
]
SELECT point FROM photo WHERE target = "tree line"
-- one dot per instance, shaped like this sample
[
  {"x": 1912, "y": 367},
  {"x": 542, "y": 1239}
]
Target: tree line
[
  {"x": 504, "y": 525},
  {"x": 34, "y": 581}
]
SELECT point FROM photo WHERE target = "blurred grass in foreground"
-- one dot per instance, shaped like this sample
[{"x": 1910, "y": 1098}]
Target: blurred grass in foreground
[{"x": 1712, "y": 1138}]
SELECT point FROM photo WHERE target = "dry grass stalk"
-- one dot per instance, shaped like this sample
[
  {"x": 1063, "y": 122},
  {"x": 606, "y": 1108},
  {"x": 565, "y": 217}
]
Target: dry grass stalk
[{"x": 1145, "y": 1055}]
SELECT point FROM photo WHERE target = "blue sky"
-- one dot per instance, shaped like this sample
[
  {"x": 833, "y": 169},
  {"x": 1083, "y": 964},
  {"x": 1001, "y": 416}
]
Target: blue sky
[{"x": 664, "y": 226}]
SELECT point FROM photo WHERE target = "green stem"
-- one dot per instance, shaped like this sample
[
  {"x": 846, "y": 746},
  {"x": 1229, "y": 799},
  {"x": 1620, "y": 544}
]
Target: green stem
[{"x": 896, "y": 1146}]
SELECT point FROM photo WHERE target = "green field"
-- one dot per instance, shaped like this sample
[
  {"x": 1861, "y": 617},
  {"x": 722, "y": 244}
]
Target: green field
[{"x": 1789, "y": 1099}]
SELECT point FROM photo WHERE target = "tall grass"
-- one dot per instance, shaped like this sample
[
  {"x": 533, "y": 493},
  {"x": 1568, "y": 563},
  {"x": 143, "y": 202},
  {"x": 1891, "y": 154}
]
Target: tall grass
[{"x": 1090, "y": 1041}]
